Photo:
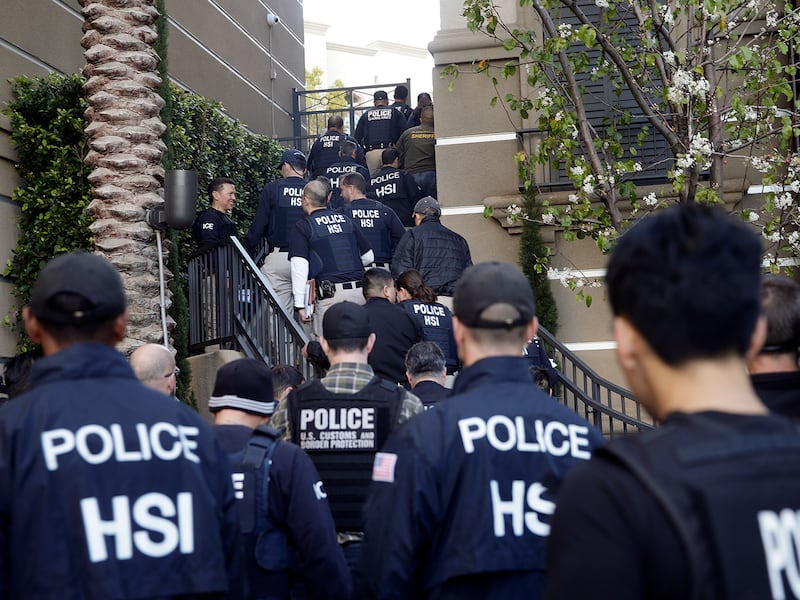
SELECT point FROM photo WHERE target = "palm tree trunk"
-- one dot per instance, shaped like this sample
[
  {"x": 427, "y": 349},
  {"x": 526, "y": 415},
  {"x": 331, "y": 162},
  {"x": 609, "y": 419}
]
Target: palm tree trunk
[{"x": 124, "y": 132}]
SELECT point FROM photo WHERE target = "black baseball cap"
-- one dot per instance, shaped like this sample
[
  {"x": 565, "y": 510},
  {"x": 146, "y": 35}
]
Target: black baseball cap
[
  {"x": 346, "y": 321},
  {"x": 244, "y": 384},
  {"x": 293, "y": 157},
  {"x": 428, "y": 206},
  {"x": 380, "y": 95},
  {"x": 91, "y": 279},
  {"x": 493, "y": 295}
]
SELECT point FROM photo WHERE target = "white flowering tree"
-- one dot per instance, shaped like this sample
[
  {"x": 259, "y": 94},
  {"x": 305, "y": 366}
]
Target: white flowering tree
[{"x": 713, "y": 80}]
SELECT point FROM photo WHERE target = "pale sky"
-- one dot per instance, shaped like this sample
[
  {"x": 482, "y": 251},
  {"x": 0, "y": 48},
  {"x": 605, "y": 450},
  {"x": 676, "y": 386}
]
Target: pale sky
[{"x": 355, "y": 22}]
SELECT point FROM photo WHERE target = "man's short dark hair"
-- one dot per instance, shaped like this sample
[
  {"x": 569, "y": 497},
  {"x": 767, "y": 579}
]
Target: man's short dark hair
[
  {"x": 389, "y": 155},
  {"x": 687, "y": 279},
  {"x": 780, "y": 303},
  {"x": 425, "y": 358},
  {"x": 348, "y": 344},
  {"x": 217, "y": 183},
  {"x": 401, "y": 92},
  {"x": 356, "y": 180},
  {"x": 374, "y": 280},
  {"x": 347, "y": 148},
  {"x": 335, "y": 122},
  {"x": 284, "y": 376}
]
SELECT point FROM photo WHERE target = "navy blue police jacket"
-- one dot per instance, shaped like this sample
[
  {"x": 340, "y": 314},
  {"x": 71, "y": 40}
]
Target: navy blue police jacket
[
  {"x": 343, "y": 166},
  {"x": 398, "y": 190},
  {"x": 280, "y": 206},
  {"x": 471, "y": 486},
  {"x": 296, "y": 508},
  {"x": 325, "y": 151},
  {"x": 109, "y": 489}
]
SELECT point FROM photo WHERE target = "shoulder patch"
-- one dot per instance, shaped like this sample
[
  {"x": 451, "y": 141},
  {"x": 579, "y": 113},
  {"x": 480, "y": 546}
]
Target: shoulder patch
[{"x": 383, "y": 467}]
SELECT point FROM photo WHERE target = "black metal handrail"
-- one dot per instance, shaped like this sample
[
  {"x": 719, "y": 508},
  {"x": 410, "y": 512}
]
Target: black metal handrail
[
  {"x": 609, "y": 407},
  {"x": 232, "y": 305}
]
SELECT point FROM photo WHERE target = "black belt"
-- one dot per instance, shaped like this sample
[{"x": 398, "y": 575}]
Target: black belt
[
  {"x": 371, "y": 147},
  {"x": 382, "y": 265},
  {"x": 348, "y": 285}
]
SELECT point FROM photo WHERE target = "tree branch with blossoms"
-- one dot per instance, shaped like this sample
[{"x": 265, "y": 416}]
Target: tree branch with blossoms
[{"x": 713, "y": 79}]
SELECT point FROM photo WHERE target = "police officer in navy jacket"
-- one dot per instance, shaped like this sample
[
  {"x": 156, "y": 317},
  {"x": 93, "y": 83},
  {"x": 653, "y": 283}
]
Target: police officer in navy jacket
[
  {"x": 378, "y": 128},
  {"x": 379, "y": 223},
  {"x": 325, "y": 150},
  {"x": 463, "y": 494},
  {"x": 395, "y": 188},
  {"x": 346, "y": 164},
  {"x": 286, "y": 528},
  {"x": 326, "y": 247},
  {"x": 280, "y": 206},
  {"x": 107, "y": 488}
]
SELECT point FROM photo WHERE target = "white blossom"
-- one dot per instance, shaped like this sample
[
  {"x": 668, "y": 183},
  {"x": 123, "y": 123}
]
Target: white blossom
[
  {"x": 685, "y": 85},
  {"x": 752, "y": 216},
  {"x": 565, "y": 30},
  {"x": 573, "y": 198},
  {"x": 795, "y": 186},
  {"x": 650, "y": 199},
  {"x": 760, "y": 164},
  {"x": 588, "y": 184},
  {"x": 548, "y": 218},
  {"x": 685, "y": 161},
  {"x": 669, "y": 58},
  {"x": 667, "y": 16},
  {"x": 637, "y": 167},
  {"x": 601, "y": 3},
  {"x": 783, "y": 201},
  {"x": 772, "y": 18},
  {"x": 773, "y": 237}
]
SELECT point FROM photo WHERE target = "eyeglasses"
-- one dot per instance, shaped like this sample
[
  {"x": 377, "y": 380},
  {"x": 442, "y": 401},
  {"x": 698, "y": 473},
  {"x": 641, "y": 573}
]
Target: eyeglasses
[{"x": 176, "y": 372}]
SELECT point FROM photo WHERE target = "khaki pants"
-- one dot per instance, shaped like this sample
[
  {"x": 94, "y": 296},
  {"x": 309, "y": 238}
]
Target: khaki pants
[
  {"x": 374, "y": 162},
  {"x": 355, "y": 296},
  {"x": 278, "y": 271}
]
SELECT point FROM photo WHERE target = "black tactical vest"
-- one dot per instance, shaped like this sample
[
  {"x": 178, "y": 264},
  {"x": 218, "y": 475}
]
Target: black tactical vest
[
  {"x": 371, "y": 218},
  {"x": 437, "y": 327},
  {"x": 287, "y": 212},
  {"x": 341, "y": 433},
  {"x": 742, "y": 530},
  {"x": 333, "y": 240}
]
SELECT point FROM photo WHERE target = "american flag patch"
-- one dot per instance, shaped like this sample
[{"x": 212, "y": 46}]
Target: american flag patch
[{"x": 383, "y": 467}]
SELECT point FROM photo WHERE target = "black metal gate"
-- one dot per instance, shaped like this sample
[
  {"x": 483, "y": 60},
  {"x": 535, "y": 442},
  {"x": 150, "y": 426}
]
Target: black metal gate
[{"x": 312, "y": 108}]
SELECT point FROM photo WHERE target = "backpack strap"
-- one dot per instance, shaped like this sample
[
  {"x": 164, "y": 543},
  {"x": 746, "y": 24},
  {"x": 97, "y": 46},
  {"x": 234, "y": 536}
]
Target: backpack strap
[
  {"x": 258, "y": 451},
  {"x": 662, "y": 498}
]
